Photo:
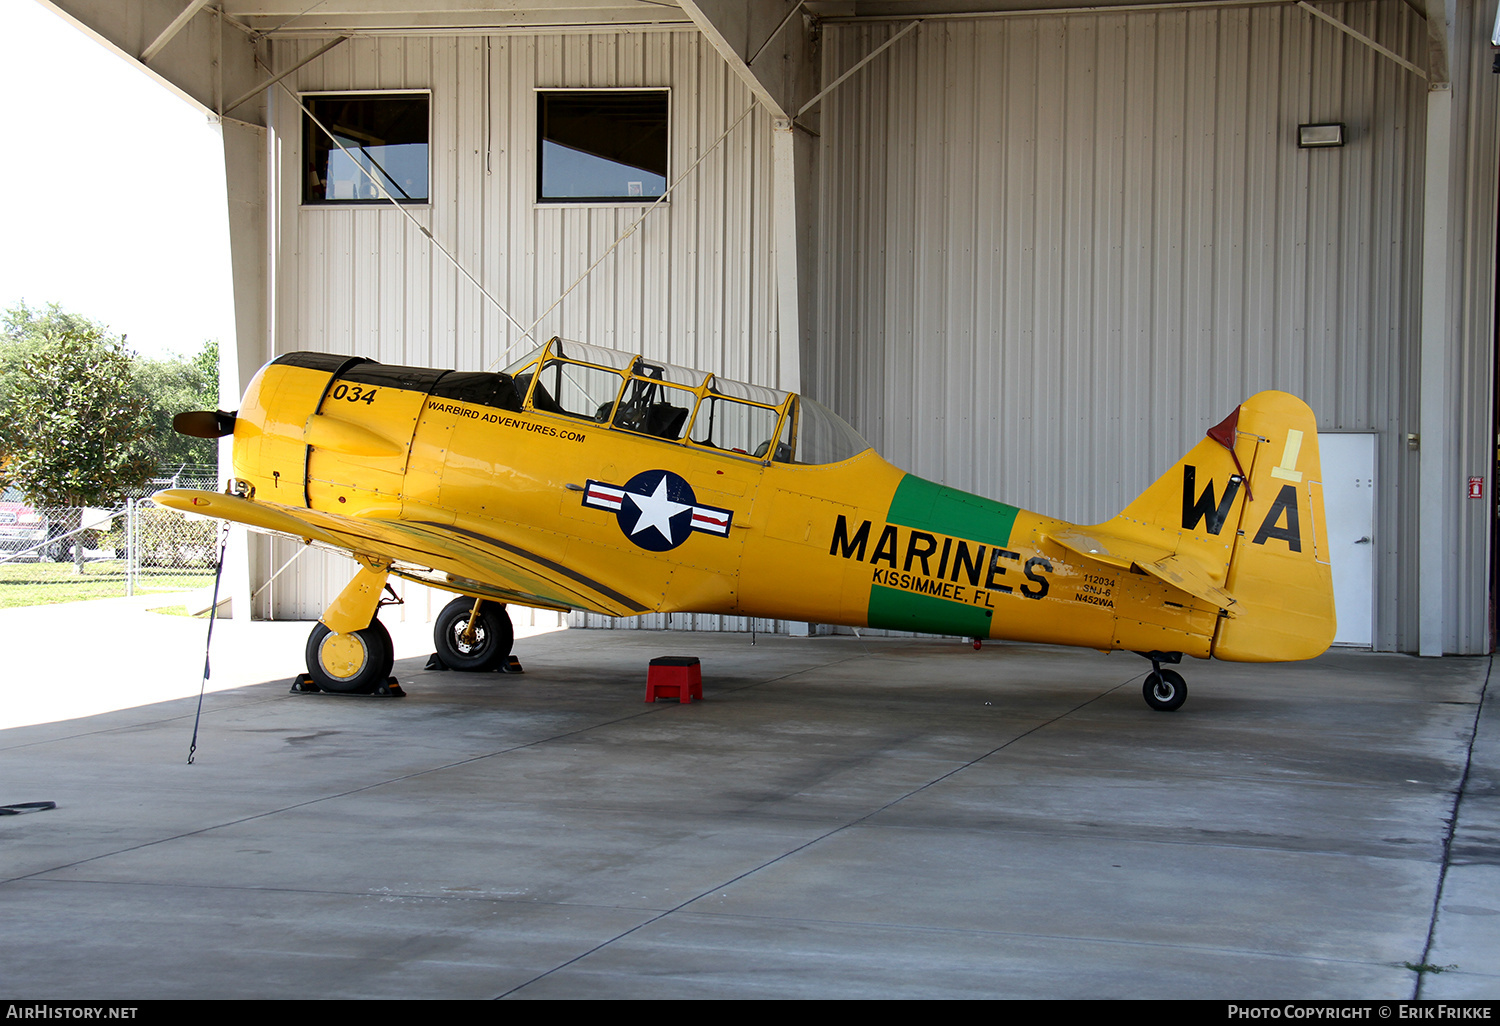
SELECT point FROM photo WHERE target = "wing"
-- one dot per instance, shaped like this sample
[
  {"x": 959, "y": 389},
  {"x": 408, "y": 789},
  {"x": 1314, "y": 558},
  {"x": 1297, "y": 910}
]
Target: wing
[{"x": 461, "y": 558}]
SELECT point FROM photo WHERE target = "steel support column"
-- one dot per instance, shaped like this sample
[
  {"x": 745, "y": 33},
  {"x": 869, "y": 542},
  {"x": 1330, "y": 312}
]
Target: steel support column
[
  {"x": 1435, "y": 346},
  {"x": 788, "y": 297}
]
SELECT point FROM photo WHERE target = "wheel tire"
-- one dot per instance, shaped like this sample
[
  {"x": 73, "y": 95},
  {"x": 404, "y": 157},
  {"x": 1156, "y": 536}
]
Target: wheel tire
[
  {"x": 493, "y": 636},
  {"x": 1164, "y": 690},
  {"x": 350, "y": 664}
]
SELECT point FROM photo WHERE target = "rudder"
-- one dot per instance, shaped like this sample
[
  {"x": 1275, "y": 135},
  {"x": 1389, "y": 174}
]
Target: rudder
[{"x": 1279, "y": 572}]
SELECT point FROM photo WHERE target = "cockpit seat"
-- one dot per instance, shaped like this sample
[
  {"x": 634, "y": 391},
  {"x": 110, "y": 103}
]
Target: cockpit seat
[{"x": 665, "y": 420}]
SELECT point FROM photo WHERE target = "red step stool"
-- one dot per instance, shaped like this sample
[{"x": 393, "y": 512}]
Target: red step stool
[{"x": 674, "y": 676}]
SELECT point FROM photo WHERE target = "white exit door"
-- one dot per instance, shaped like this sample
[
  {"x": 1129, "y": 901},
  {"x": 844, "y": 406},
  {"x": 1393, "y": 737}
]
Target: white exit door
[{"x": 1349, "y": 505}]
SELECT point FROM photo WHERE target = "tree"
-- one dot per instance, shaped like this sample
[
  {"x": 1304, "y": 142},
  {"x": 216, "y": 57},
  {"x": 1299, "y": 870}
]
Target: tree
[
  {"x": 23, "y": 329},
  {"x": 72, "y": 421},
  {"x": 174, "y": 386}
]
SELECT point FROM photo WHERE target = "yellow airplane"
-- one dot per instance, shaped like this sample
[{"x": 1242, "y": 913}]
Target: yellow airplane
[{"x": 582, "y": 478}]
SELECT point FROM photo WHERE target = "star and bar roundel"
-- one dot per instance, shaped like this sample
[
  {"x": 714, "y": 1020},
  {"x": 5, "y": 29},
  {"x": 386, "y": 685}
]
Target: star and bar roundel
[{"x": 657, "y": 510}]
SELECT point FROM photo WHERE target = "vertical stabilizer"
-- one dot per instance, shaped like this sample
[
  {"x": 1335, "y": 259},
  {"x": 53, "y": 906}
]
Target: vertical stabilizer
[{"x": 1245, "y": 507}]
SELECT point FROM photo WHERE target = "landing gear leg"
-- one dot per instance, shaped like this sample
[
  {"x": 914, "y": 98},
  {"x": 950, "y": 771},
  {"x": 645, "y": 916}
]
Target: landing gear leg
[
  {"x": 1164, "y": 690},
  {"x": 350, "y": 651}
]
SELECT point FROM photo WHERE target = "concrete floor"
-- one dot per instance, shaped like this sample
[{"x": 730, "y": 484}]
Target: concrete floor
[{"x": 839, "y": 818}]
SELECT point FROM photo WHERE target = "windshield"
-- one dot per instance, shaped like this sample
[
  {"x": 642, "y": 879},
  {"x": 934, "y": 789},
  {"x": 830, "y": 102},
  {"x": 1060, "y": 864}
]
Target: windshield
[
  {"x": 524, "y": 362},
  {"x": 823, "y": 436}
]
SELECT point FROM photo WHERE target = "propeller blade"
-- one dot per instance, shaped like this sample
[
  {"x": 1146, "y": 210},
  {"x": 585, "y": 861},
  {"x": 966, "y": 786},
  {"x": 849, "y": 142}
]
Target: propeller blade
[{"x": 204, "y": 424}]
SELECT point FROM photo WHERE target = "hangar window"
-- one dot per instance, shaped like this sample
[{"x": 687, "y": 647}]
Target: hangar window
[
  {"x": 381, "y": 148},
  {"x": 601, "y": 145}
]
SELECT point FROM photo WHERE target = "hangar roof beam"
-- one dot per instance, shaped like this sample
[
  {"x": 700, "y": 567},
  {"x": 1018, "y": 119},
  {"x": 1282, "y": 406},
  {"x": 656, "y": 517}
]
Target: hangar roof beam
[
  {"x": 320, "y": 51},
  {"x": 435, "y": 17},
  {"x": 729, "y": 28},
  {"x": 178, "y": 24},
  {"x": 1362, "y": 38},
  {"x": 1440, "y": 42},
  {"x": 831, "y": 86},
  {"x": 776, "y": 32}
]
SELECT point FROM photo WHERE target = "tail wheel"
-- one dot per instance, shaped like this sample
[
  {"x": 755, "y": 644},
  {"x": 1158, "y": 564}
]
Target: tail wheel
[
  {"x": 350, "y": 664},
  {"x": 1164, "y": 690},
  {"x": 484, "y": 647}
]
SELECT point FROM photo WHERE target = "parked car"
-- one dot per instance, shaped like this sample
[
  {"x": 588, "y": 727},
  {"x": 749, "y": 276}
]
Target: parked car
[{"x": 21, "y": 526}]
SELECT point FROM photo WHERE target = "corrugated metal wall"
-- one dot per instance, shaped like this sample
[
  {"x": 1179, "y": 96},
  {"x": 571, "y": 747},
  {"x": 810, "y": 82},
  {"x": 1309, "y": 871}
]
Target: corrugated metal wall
[
  {"x": 695, "y": 285},
  {"x": 1054, "y": 250}
]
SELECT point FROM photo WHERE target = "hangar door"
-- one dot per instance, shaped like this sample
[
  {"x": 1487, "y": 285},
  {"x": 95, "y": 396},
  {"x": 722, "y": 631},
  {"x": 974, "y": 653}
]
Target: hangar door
[{"x": 1349, "y": 506}]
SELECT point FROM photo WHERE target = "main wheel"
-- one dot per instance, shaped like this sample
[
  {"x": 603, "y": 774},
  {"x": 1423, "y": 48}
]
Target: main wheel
[
  {"x": 1164, "y": 690},
  {"x": 350, "y": 664},
  {"x": 487, "y": 647}
]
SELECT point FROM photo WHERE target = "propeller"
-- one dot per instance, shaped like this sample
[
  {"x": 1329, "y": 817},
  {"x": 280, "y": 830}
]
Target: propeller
[{"x": 204, "y": 423}]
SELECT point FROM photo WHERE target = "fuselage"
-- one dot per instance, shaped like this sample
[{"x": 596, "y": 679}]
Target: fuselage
[{"x": 634, "y": 499}]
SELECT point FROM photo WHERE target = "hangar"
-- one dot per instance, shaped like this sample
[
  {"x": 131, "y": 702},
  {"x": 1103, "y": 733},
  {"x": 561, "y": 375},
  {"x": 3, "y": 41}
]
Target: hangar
[{"x": 1028, "y": 249}]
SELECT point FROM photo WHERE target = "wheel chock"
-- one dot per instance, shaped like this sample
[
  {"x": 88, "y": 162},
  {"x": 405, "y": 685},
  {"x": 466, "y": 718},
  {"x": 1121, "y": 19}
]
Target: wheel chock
[
  {"x": 510, "y": 665},
  {"x": 303, "y": 684}
]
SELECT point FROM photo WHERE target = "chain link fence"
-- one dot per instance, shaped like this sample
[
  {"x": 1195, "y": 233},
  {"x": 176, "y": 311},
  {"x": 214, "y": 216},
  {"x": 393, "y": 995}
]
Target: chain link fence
[{"x": 50, "y": 555}]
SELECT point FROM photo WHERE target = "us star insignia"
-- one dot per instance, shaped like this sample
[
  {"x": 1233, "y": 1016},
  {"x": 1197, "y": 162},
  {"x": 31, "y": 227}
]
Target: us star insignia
[{"x": 657, "y": 510}]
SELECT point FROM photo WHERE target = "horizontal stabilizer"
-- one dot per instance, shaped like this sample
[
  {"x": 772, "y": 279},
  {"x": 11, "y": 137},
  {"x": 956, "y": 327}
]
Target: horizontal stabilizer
[
  {"x": 1110, "y": 549},
  {"x": 1188, "y": 576},
  {"x": 1129, "y": 554}
]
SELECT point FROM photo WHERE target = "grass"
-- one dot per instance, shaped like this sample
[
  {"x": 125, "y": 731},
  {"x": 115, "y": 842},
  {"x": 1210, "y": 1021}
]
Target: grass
[
  {"x": 181, "y": 610},
  {"x": 39, "y": 584},
  {"x": 178, "y": 610}
]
